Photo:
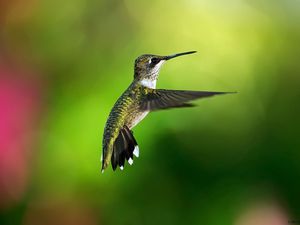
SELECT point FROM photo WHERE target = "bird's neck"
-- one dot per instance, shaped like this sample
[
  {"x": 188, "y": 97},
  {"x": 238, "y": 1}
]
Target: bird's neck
[{"x": 150, "y": 79}]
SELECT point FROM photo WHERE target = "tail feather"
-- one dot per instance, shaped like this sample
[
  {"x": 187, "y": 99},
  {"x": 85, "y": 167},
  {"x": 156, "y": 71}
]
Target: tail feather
[{"x": 125, "y": 147}]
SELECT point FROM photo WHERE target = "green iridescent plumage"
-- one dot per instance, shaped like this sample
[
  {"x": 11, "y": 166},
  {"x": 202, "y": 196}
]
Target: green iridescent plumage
[{"x": 123, "y": 113}]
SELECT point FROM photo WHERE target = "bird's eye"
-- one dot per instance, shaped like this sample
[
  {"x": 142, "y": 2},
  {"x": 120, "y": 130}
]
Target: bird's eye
[{"x": 154, "y": 61}]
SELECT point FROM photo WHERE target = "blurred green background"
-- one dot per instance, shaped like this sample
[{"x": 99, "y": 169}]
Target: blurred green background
[{"x": 234, "y": 159}]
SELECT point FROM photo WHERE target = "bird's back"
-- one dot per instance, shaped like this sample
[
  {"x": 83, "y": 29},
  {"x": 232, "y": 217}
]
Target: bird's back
[{"x": 122, "y": 114}]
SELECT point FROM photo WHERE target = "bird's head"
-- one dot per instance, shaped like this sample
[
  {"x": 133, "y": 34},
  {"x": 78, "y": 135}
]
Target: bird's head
[{"x": 146, "y": 67}]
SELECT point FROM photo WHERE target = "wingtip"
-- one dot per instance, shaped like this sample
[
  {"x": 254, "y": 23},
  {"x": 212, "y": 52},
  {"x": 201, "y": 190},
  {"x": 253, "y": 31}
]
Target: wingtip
[
  {"x": 231, "y": 92},
  {"x": 226, "y": 92}
]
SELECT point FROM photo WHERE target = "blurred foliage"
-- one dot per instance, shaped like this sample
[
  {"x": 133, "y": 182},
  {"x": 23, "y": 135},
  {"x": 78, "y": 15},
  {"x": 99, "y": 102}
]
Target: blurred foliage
[{"x": 197, "y": 166}]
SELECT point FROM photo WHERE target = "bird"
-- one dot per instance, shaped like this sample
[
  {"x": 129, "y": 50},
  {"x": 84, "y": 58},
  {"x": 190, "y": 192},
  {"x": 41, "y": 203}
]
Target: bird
[{"x": 140, "y": 98}]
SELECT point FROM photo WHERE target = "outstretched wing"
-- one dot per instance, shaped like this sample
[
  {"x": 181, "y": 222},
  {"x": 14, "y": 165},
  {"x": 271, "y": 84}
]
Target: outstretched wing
[{"x": 156, "y": 99}]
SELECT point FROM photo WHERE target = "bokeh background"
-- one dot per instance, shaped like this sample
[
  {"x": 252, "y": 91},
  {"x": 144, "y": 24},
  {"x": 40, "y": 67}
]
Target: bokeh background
[{"x": 232, "y": 160}]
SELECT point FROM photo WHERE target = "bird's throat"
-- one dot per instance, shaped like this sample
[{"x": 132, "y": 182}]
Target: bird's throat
[{"x": 149, "y": 83}]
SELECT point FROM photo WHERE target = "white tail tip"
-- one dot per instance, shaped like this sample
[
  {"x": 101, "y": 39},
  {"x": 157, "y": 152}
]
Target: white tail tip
[
  {"x": 136, "y": 151},
  {"x": 130, "y": 161}
]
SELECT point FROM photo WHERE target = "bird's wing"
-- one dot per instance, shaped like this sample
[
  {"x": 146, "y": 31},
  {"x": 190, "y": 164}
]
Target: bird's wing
[{"x": 155, "y": 99}]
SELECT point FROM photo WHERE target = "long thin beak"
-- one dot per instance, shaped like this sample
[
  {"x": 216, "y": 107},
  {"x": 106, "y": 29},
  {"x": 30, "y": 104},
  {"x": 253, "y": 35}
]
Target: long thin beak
[{"x": 178, "y": 54}]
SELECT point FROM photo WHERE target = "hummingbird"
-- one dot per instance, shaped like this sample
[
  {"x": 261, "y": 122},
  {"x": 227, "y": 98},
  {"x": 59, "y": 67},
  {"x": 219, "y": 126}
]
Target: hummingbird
[{"x": 140, "y": 98}]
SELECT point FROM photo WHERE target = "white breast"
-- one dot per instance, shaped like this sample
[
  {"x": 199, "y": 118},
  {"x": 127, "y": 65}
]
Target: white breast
[{"x": 138, "y": 119}]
